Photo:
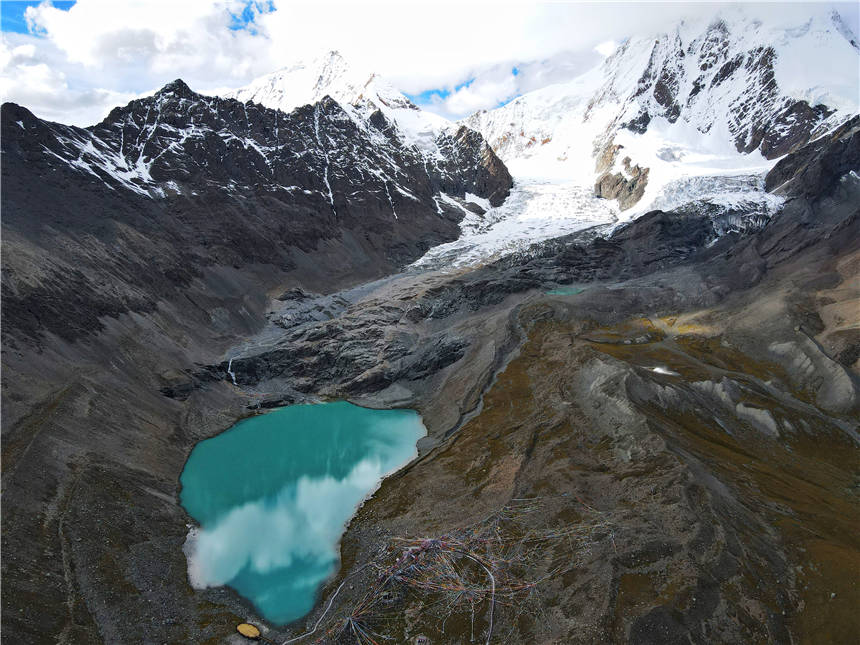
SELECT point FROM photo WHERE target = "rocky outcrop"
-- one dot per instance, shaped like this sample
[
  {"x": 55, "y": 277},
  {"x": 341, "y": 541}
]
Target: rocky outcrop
[
  {"x": 606, "y": 158},
  {"x": 817, "y": 168},
  {"x": 489, "y": 175},
  {"x": 626, "y": 186}
]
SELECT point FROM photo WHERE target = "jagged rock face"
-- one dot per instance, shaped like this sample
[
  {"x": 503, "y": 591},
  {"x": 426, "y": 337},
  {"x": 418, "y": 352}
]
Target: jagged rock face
[
  {"x": 725, "y": 84},
  {"x": 724, "y": 76},
  {"x": 118, "y": 216},
  {"x": 370, "y": 102},
  {"x": 817, "y": 167},
  {"x": 178, "y": 141},
  {"x": 489, "y": 175}
]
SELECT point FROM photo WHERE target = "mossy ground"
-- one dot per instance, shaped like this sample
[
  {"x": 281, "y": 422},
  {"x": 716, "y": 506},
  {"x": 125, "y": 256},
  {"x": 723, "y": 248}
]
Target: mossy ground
[{"x": 797, "y": 568}]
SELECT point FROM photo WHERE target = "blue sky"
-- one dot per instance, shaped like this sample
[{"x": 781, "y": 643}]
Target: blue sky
[
  {"x": 436, "y": 95},
  {"x": 87, "y": 56},
  {"x": 12, "y": 13},
  {"x": 245, "y": 19}
]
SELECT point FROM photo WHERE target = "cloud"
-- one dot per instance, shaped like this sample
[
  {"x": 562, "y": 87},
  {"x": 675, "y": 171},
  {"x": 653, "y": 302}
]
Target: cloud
[
  {"x": 101, "y": 48},
  {"x": 152, "y": 37},
  {"x": 101, "y": 53},
  {"x": 303, "y": 522},
  {"x": 500, "y": 83},
  {"x": 606, "y": 48},
  {"x": 491, "y": 88},
  {"x": 33, "y": 77}
]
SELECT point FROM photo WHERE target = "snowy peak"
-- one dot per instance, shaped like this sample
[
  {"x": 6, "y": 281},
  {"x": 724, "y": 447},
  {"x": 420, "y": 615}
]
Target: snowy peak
[
  {"x": 770, "y": 87},
  {"x": 722, "y": 93},
  {"x": 360, "y": 93},
  {"x": 307, "y": 82},
  {"x": 177, "y": 88},
  {"x": 843, "y": 29}
]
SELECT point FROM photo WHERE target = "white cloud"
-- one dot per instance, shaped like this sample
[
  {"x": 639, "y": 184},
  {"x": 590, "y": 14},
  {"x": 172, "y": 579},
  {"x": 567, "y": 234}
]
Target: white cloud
[
  {"x": 500, "y": 83},
  {"x": 33, "y": 78},
  {"x": 606, "y": 48},
  {"x": 304, "y": 520},
  {"x": 101, "y": 49},
  {"x": 487, "y": 89}
]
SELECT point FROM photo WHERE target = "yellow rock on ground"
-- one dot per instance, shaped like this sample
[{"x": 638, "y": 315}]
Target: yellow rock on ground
[{"x": 248, "y": 631}]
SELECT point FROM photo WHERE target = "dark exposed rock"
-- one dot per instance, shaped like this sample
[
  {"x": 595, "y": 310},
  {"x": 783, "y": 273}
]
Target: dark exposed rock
[
  {"x": 816, "y": 169},
  {"x": 465, "y": 150},
  {"x": 639, "y": 125},
  {"x": 728, "y": 68},
  {"x": 296, "y": 293},
  {"x": 627, "y": 187},
  {"x": 661, "y": 80},
  {"x": 791, "y": 127}
]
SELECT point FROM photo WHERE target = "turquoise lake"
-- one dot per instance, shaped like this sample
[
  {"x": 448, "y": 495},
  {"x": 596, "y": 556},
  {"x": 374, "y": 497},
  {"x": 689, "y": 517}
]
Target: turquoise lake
[
  {"x": 565, "y": 291},
  {"x": 273, "y": 493}
]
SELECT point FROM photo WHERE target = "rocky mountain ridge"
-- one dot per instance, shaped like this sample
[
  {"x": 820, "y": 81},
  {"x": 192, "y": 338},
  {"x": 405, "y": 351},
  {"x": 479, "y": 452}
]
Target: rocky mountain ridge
[{"x": 211, "y": 181}]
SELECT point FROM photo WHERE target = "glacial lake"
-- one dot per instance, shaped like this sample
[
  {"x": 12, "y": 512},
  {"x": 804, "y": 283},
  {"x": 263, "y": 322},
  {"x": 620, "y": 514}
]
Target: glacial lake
[
  {"x": 565, "y": 291},
  {"x": 273, "y": 493}
]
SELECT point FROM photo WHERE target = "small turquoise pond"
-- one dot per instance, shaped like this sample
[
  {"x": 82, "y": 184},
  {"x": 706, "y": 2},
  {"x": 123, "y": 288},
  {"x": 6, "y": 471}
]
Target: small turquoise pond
[
  {"x": 565, "y": 291},
  {"x": 273, "y": 493}
]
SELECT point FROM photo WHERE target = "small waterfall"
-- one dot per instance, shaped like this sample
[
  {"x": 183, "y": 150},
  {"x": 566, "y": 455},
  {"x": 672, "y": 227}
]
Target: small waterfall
[{"x": 230, "y": 371}]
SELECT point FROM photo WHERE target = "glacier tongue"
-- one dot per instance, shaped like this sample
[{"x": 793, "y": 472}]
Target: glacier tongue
[{"x": 536, "y": 210}]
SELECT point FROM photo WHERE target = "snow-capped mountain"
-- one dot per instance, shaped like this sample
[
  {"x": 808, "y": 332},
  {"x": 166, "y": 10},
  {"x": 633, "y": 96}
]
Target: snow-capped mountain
[
  {"x": 306, "y": 82},
  {"x": 705, "y": 96},
  {"x": 359, "y": 92},
  {"x": 180, "y": 142}
]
